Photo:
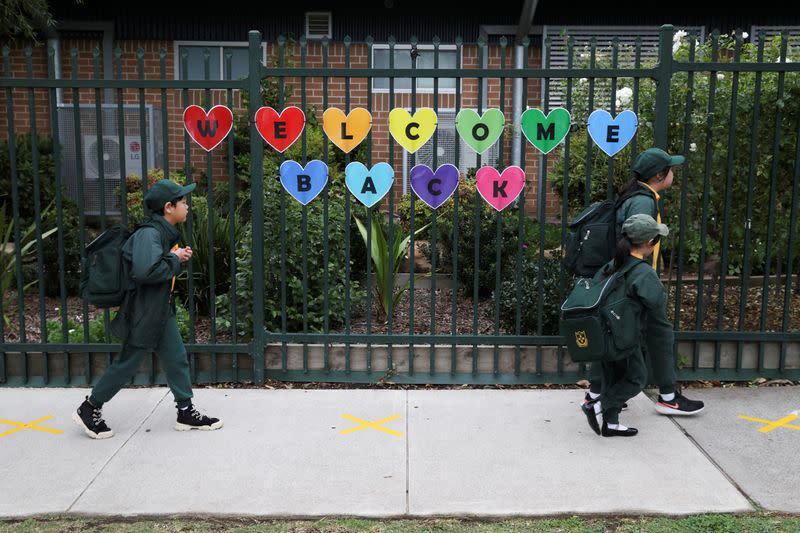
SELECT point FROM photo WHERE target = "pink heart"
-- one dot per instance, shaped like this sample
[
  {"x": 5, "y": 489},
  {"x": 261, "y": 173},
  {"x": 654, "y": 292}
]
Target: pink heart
[{"x": 500, "y": 190}]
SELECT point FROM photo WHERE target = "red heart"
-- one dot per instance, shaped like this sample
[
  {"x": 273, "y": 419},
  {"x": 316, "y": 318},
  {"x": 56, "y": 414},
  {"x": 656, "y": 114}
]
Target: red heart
[
  {"x": 280, "y": 131},
  {"x": 208, "y": 129}
]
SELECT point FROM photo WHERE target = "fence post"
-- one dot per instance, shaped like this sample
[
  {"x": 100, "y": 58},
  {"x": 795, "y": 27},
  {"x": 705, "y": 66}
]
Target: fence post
[
  {"x": 257, "y": 201},
  {"x": 663, "y": 79}
]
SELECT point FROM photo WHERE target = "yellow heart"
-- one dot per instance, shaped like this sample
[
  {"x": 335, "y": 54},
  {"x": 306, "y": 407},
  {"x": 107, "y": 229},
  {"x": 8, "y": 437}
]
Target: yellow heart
[
  {"x": 412, "y": 132},
  {"x": 346, "y": 132}
]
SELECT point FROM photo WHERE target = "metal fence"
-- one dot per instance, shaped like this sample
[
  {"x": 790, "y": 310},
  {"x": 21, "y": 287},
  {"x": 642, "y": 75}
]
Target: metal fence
[{"x": 265, "y": 330}]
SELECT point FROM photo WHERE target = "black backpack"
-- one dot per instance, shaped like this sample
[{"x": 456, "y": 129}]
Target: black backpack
[
  {"x": 592, "y": 236},
  {"x": 104, "y": 272},
  {"x": 598, "y": 320}
]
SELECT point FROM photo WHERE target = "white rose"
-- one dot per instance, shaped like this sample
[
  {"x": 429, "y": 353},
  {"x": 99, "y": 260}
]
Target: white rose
[
  {"x": 582, "y": 80},
  {"x": 693, "y": 147},
  {"x": 680, "y": 34},
  {"x": 720, "y": 76},
  {"x": 745, "y": 35},
  {"x": 619, "y": 104}
]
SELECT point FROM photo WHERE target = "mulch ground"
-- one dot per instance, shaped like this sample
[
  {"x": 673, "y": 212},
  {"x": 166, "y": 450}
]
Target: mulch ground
[{"x": 465, "y": 313}]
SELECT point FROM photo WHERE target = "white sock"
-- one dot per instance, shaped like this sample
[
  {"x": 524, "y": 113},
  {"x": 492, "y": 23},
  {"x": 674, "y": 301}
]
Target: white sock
[
  {"x": 668, "y": 397},
  {"x": 618, "y": 427},
  {"x": 597, "y": 408},
  {"x": 593, "y": 395}
]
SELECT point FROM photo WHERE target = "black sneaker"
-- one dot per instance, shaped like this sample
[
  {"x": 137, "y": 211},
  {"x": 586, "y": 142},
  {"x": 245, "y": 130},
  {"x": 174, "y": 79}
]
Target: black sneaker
[
  {"x": 679, "y": 406},
  {"x": 91, "y": 420},
  {"x": 591, "y": 416},
  {"x": 190, "y": 418},
  {"x": 628, "y": 432},
  {"x": 587, "y": 399}
]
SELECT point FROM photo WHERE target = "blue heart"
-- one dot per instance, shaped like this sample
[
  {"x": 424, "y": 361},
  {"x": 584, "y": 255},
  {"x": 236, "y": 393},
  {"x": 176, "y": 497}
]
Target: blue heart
[
  {"x": 369, "y": 185},
  {"x": 304, "y": 184},
  {"x": 612, "y": 134}
]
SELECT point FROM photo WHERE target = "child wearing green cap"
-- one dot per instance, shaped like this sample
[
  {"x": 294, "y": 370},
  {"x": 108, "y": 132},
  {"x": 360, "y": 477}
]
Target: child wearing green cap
[
  {"x": 146, "y": 318},
  {"x": 652, "y": 174},
  {"x": 625, "y": 378}
]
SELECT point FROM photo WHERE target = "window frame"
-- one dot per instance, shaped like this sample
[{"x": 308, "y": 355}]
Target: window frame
[
  {"x": 221, "y": 45},
  {"x": 442, "y": 47}
]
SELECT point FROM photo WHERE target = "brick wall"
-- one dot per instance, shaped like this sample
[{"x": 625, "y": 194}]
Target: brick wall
[{"x": 175, "y": 101}]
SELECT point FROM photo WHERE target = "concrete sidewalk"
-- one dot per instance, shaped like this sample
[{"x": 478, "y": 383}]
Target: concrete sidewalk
[{"x": 485, "y": 453}]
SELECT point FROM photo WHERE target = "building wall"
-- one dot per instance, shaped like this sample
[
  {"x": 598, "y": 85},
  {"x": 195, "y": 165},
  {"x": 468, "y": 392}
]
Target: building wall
[{"x": 77, "y": 59}]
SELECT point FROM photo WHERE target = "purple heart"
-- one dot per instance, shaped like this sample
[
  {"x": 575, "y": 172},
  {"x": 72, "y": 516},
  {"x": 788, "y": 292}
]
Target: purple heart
[{"x": 434, "y": 188}]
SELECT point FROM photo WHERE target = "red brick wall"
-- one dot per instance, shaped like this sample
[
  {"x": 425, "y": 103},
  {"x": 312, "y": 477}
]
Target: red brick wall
[{"x": 358, "y": 91}]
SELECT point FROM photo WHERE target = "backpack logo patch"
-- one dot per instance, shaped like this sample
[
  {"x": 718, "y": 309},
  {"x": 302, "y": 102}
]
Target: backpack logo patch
[{"x": 581, "y": 340}]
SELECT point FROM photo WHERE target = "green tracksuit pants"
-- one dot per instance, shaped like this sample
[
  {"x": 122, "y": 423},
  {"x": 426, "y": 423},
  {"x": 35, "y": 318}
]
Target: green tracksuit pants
[
  {"x": 621, "y": 381},
  {"x": 172, "y": 356}
]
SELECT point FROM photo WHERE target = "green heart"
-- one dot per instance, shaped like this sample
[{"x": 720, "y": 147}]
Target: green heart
[
  {"x": 545, "y": 132},
  {"x": 480, "y": 133}
]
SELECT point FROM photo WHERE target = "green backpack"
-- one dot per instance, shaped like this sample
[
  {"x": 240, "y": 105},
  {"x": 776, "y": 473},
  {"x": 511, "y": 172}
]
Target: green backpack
[
  {"x": 104, "y": 272},
  {"x": 592, "y": 236},
  {"x": 598, "y": 320}
]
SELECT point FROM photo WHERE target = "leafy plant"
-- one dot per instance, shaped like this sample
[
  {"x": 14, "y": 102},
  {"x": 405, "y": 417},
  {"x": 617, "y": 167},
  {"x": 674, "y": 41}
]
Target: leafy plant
[
  {"x": 8, "y": 254},
  {"x": 383, "y": 253}
]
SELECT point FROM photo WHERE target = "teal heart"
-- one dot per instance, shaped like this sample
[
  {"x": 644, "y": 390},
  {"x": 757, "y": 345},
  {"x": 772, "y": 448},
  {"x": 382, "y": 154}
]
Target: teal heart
[
  {"x": 480, "y": 133},
  {"x": 369, "y": 185},
  {"x": 546, "y": 132}
]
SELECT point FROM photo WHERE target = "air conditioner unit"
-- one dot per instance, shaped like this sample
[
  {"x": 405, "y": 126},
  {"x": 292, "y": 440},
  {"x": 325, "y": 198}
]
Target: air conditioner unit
[
  {"x": 114, "y": 161},
  {"x": 101, "y": 144}
]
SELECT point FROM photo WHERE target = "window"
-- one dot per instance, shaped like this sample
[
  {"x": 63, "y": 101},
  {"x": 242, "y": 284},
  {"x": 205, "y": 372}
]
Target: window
[
  {"x": 792, "y": 32},
  {"x": 402, "y": 60},
  {"x": 604, "y": 36},
  {"x": 446, "y": 149},
  {"x": 195, "y": 69},
  {"x": 318, "y": 25}
]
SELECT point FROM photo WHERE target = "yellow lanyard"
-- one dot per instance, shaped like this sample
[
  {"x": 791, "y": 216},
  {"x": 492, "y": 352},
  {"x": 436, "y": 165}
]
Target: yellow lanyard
[
  {"x": 173, "y": 277},
  {"x": 658, "y": 220}
]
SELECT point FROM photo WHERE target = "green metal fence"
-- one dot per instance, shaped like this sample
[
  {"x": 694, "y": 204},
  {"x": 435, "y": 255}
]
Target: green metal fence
[{"x": 756, "y": 236}]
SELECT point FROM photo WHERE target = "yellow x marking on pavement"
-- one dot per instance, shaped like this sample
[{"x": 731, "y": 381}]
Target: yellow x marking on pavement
[
  {"x": 30, "y": 425},
  {"x": 374, "y": 425},
  {"x": 772, "y": 425}
]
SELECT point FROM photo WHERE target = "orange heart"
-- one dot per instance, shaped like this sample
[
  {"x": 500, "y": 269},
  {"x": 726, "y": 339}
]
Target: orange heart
[{"x": 346, "y": 132}]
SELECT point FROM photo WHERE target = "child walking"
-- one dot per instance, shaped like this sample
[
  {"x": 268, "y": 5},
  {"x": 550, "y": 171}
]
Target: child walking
[
  {"x": 624, "y": 378},
  {"x": 146, "y": 318}
]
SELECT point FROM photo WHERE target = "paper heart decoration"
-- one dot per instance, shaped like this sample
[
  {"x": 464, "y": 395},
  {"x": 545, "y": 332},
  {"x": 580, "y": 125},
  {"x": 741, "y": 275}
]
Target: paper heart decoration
[
  {"x": 304, "y": 184},
  {"x": 434, "y": 188},
  {"x": 500, "y": 190},
  {"x": 280, "y": 130},
  {"x": 369, "y": 185},
  {"x": 208, "y": 129},
  {"x": 348, "y": 131},
  {"x": 611, "y": 134},
  {"x": 480, "y": 132},
  {"x": 411, "y": 132},
  {"x": 545, "y": 132}
]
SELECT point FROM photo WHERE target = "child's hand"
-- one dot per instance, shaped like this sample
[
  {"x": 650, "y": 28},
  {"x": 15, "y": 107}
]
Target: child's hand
[{"x": 184, "y": 254}]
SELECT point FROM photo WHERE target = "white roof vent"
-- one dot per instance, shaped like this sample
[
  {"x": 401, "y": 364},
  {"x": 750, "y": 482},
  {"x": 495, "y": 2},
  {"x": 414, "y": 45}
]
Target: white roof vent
[{"x": 318, "y": 25}]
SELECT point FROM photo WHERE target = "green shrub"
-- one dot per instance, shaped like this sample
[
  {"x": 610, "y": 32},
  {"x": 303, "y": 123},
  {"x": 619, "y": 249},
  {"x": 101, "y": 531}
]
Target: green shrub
[
  {"x": 69, "y": 223},
  {"x": 316, "y": 240},
  {"x": 529, "y": 297},
  {"x": 705, "y": 145}
]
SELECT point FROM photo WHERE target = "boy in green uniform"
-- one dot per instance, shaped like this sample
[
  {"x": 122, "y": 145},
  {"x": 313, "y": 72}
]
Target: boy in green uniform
[
  {"x": 624, "y": 378},
  {"x": 146, "y": 318},
  {"x": 652, "y": 175}
]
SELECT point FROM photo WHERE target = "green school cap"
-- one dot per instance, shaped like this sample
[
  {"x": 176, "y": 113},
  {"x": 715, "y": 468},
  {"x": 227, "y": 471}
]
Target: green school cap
[
  {"x": 652, "y": 161},
  {"x": 642, "y": 228},
  {"x": 163, "y": 191}
]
